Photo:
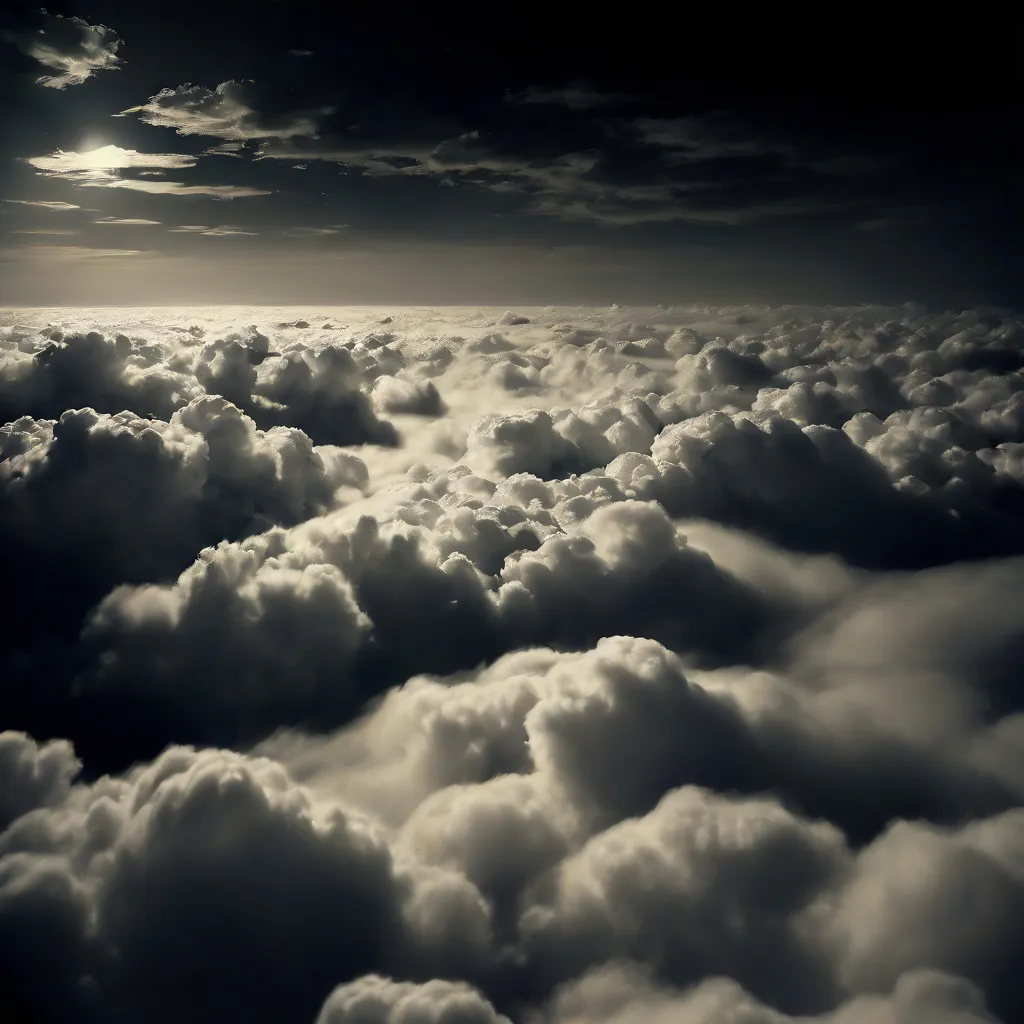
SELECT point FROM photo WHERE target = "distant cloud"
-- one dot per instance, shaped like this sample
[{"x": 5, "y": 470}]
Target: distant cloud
[
  {"x": 234, "y": 149},
  {"x": 709, "y": 137},
  {"x": 894, "y": 219},
  {"x": 227, "y": 229},
  {"x": 309, "y": 232},
  {"x": 224, "y": 112},
  {"x": 127, "y": 221},
  {"x": 591, "y": 185},
  {"x": 177, "y": 188},
  {"x": 44, "y": 204},
  {"x": 72, "y": 252},
  {"x": 43, "y": 231},
  {"x": 217, "y": 232},
  {"x": 72, "y": 47},
  {"x": 577, "y": 96},
  {"x": 301, "y": 53}
]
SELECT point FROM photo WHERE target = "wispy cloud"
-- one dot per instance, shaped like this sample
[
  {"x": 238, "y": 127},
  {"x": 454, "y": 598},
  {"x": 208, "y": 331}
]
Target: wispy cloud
[
  {"x": 69, "y": 252},
  {"x": 309, "y": 232},
  {"x": 575, "y": 96},
  {"x": 44, "y": 231},
  {"x": 44, "y": 204},
  {"x": 178, "y": 188},
  {"x": 705, "y": 170},
  {"x": 99, "y": 168},
  {"x": 127, "y": 221},
  {"x": 224, "y": 113},
  {"x": 235, "y": 149},
  {"x": 222, "y": 231},
  {"x": 72, "y": 47},
  {"x": 101, "y": 163}
]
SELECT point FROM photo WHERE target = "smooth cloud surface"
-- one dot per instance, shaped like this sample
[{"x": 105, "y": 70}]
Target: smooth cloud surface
[{"x": 477, "y": 666}]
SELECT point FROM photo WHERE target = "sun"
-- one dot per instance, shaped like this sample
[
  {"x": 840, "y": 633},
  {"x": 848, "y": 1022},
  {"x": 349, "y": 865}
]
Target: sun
[{"x": 101, "y": 157}]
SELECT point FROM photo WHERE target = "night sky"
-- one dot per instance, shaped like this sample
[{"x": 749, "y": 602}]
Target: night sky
[{"x": 319, "y": 152}]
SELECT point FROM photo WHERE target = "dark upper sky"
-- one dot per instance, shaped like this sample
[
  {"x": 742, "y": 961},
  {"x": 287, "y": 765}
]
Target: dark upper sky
[{"x": 320, "y": 152}]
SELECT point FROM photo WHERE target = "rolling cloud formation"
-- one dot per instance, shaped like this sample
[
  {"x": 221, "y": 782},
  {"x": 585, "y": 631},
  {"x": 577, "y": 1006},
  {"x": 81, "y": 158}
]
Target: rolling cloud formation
[{"x": 473, "y": 666}]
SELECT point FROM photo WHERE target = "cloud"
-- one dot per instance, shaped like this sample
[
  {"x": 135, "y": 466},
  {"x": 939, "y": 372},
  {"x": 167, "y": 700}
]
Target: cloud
[
  {"x": 624, "y": 993},
  {"x": 177, "y": 188},
  {"x": 377, "y": 1000},
  {"x": 541, "y": 665},
  {"x": 577, "y": 96},
  {"x": 100, "y": 162},
  {"x": 99, "y": 168},
  {"x": 72, "y": 47},
  {"x": 234, "y": 149},
  {"x": 43, "y": 231},
  {"x": 223, "y": 112},
  {"x": 226, "y": 230},
  {"x": 702, "y": 170},
  {"x": 127, "y": 221},
  {"x": 44, "y": 204},
  {"x": 70, "y": 252},
  {"x": 309, "y": 232}
]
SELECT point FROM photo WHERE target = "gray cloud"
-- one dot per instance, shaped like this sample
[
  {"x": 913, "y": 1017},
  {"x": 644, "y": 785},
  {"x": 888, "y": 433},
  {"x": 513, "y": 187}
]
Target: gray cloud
[
  {"x": 576, "y": 96},
  {"x": 641, "y": 665},
  {"x": 44, "y": 204},
  {"x": 72, "y": 47},
  {"x": 127, "y": 221},
  {"x": 224, "y": 112}
]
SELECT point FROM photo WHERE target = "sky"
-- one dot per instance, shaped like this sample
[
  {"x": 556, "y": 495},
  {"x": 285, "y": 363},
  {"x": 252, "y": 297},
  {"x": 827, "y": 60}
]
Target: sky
[{"x": 322, "y": 152}]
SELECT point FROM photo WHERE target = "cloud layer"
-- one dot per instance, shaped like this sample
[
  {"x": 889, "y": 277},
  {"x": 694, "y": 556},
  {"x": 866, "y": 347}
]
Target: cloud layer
[{"x": 496, "y": 666}]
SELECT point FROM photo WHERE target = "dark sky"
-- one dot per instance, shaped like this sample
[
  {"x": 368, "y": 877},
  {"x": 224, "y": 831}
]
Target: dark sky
[{"x": 389, "y": 153}]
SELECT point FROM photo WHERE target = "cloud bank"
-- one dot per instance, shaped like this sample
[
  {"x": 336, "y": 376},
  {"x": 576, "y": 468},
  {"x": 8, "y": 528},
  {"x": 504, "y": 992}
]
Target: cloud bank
[{"x": 496, "y": 666}]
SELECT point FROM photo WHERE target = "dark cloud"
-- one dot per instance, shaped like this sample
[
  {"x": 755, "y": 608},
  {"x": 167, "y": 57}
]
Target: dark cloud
[{"x": 71, "y": 47}]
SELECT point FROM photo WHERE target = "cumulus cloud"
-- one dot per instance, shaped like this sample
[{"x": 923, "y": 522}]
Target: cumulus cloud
[
  {"x": 541, "y": 665},
  {"x": 71, "y": 47}
]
